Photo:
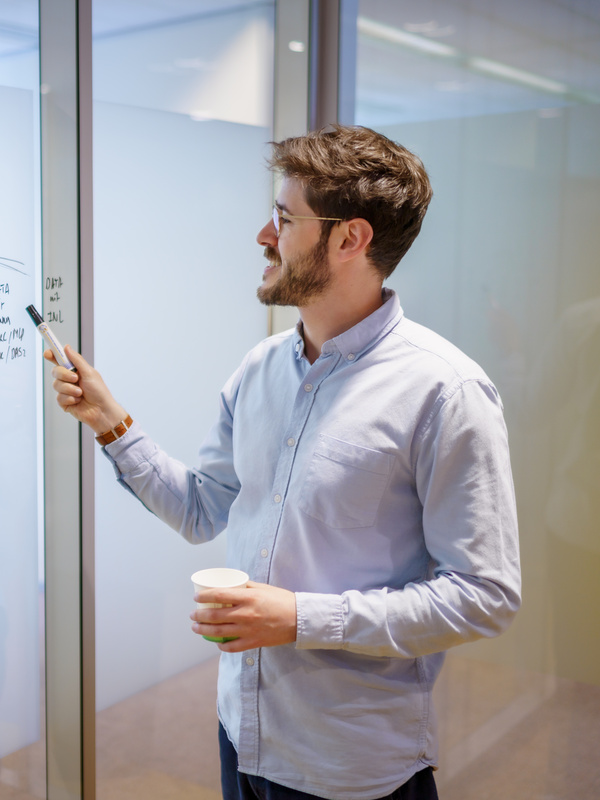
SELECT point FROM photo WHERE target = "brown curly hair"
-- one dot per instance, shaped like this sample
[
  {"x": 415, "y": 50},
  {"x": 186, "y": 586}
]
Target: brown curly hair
[{"x": 352, "y": 171}]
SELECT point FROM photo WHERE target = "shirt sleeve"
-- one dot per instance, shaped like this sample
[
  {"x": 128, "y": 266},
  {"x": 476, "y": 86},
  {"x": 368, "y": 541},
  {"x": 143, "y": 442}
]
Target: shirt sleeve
[
  {"x": 194, "y": 502},
  {"x": 464, "y": 482}
]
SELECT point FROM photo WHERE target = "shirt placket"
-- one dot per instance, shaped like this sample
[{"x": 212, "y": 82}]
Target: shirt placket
[{"x": 305, "y": 397}]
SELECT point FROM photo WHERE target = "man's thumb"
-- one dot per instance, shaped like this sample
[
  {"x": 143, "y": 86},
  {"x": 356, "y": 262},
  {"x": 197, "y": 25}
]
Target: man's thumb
[{"x": 77, "y": 360}]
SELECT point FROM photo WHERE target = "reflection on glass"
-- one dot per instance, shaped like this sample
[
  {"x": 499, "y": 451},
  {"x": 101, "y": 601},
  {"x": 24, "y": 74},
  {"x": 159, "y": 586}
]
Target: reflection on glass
[
  {"x": 22, "y": 741},
  {"x": 182, "y": 112},
  {"x": 502, "y": 103}
]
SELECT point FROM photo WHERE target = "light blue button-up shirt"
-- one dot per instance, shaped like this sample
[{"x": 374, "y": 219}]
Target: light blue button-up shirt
[{"x": 376, "y": 485}]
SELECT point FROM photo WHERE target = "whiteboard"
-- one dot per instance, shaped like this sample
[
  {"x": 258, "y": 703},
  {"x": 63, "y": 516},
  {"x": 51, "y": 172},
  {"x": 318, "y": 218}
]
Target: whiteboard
[{"x": 19, "y": 362}]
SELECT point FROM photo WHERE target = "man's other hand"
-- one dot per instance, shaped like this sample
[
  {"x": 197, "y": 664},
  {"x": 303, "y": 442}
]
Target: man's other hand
[{"x": 258, "y": 616}]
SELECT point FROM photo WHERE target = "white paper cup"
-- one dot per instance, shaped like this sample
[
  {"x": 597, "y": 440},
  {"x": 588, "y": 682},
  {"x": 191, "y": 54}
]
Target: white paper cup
[{"x": 219, "y": 578}]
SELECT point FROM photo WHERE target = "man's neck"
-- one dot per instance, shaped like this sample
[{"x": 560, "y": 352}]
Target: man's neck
[{"x": 324, "y": 318}]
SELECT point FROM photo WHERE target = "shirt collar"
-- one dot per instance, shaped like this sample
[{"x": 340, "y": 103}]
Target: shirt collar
[{"x": 361, "y": 337}]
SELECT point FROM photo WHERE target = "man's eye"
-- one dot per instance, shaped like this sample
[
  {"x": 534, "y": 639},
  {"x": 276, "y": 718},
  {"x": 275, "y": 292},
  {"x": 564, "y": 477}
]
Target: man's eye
[{"x": 283, "y": 220}]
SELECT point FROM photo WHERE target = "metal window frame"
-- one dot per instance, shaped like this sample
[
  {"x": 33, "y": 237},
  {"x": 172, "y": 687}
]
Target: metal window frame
[
  {"x": 67, "y": 252},
  {"x": 314, "y": 87}
]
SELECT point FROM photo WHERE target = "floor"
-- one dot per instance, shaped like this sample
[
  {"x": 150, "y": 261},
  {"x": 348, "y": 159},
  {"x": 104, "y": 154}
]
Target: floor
[{"x": 504, "y": 734}]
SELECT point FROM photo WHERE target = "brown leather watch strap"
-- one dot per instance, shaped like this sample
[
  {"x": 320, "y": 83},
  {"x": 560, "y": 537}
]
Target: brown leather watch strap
[{"x": 115, "y": 433}]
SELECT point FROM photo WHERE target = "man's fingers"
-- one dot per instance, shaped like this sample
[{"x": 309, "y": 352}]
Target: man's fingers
[
  {"x": 67, "y": 403},
  {"x": 49, "y": 356},
  {"x": 74, "y": 357},
  {"x": 78, "y": 361},
  {"x": 64, "y": 375},
  {"x": 64, "y": 387}
]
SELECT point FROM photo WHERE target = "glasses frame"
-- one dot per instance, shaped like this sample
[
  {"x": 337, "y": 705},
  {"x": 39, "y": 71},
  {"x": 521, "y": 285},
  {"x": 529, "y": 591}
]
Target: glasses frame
[{"x": 278, "y": 215}]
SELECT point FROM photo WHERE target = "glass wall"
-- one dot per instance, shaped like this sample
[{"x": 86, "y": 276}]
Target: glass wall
[
  {"x": 22, "y": 748},
  {"x": 502, "y": 103},
  {"x": 182, "y": 113}
]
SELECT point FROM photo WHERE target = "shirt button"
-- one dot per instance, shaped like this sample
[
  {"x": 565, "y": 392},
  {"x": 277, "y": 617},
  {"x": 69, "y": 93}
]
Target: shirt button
[
  {"x": 264, "y": 552},
  {"x": 291, "y": 441},
  {"x": 277, "y": 498},
  {"x": 351, "y": 356},
  {"x": 250, "y": 662},
  {"x": 308, "y": 387}
]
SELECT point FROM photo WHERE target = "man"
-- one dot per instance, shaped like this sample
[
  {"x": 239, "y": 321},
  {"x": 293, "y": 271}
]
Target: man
[{"x": 361, "y": 468}]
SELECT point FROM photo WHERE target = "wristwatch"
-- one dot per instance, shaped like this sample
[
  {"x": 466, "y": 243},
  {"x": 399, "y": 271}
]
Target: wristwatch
[{"x": 115, "y": 433}]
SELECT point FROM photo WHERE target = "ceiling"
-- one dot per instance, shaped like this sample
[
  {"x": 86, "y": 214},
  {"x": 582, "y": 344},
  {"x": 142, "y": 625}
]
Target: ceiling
[
  {"x": 420, "y": 59},
  {"x": 416, "y": 59},
  {"x": 19, "y": 18}
]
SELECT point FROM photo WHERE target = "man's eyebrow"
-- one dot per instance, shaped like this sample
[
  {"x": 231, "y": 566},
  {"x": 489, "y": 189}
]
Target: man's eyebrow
[{"x": 282, "y": 207}]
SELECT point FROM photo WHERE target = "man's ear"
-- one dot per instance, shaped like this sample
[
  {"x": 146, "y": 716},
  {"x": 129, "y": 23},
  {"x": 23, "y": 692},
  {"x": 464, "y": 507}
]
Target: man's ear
[{"x": 353, "y": 238}]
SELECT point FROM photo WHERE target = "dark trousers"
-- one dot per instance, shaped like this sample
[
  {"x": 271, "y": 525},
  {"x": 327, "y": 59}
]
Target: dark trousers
[{"x": 239, "y": 786}]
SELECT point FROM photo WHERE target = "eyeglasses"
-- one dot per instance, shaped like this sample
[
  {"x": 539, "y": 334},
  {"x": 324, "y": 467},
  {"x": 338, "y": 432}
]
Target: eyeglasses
[{"x": 278, "y": 216}]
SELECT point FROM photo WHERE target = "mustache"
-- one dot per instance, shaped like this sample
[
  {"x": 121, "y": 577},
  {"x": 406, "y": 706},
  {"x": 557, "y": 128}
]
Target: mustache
[{"x": 272, "y": 256}]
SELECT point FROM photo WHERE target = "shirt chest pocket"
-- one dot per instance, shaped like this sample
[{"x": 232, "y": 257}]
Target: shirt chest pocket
[{"x": 345, "y": 483}]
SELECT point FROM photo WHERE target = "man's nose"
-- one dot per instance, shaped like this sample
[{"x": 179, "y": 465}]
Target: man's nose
[{"x": 267, "y": 236}]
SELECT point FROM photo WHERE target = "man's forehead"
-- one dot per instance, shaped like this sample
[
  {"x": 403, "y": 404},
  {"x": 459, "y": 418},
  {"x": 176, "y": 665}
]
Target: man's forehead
[{"x": 290, "y": 196}]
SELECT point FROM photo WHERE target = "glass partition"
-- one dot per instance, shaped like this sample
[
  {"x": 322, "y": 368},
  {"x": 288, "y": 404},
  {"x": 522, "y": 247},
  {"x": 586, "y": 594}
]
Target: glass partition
[
  {"x": 182, "y": 113},
  {"x": 22, "y": 739},
  {"x": 502, "y": 103}
]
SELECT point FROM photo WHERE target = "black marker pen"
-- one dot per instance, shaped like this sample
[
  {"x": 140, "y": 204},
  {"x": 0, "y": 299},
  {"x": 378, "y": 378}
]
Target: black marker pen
[{"x": 55, "y": 345}]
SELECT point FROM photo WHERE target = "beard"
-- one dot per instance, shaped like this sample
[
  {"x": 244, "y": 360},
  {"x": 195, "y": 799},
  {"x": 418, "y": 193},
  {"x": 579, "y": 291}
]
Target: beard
[{"x": 303, "y": 277}]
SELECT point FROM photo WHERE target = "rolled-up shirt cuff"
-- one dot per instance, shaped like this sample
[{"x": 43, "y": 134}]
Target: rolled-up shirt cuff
[{"x": 130, "y": 449}]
